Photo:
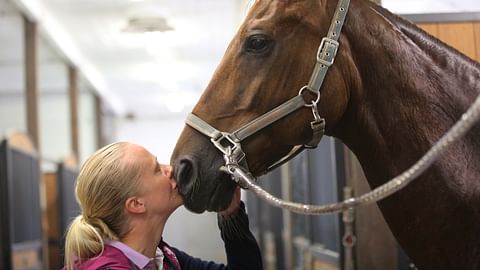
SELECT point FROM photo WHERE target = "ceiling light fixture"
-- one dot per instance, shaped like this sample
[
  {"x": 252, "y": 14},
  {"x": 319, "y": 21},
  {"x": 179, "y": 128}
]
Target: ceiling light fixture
[{"x": 147, "y": 25}]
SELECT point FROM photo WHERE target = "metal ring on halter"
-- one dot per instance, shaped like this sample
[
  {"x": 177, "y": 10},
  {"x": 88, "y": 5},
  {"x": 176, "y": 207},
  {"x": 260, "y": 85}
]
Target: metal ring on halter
[{"x": 314, "y": 102}]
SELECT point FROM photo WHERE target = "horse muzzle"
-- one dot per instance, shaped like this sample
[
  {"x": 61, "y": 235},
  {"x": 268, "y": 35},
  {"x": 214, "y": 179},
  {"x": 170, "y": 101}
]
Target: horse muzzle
[
  {"x": 211, "y": 190},
  {"x": 186, "y": 173}
]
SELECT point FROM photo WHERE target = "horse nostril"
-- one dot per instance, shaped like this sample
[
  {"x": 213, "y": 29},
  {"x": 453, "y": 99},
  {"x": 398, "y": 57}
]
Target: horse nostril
[
  {"x": 185, "y": 170},
  {"x": 186, "y": 174}
]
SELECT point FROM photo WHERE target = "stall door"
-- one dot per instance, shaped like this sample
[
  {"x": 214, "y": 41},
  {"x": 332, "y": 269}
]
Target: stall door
[{"x": 463, "y": 36}]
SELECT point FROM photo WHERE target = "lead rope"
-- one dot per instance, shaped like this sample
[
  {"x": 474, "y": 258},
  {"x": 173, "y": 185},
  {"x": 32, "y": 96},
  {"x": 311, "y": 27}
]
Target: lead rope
[{"x": 247, "y": 181}]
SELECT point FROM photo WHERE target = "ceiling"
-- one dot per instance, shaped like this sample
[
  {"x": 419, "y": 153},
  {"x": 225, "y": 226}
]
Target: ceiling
[
  {"x": 144, "y": 74},
  {"x": 141, "y": 74}
]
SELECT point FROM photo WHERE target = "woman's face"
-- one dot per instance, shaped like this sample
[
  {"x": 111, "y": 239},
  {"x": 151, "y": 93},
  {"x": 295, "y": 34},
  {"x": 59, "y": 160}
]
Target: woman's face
[{"x": 158, "y": 189}]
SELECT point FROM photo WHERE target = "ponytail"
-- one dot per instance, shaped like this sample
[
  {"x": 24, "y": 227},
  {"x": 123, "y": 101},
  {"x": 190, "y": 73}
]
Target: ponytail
[{"x": 85, "y": 240}]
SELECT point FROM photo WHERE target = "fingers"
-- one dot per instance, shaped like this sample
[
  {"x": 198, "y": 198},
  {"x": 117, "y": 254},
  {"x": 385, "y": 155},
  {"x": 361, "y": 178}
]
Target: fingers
[{"x": 234, "y": 204}]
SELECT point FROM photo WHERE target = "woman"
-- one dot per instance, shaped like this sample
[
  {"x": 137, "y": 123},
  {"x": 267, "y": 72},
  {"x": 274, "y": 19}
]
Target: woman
[{"x": 126, "y": 197}]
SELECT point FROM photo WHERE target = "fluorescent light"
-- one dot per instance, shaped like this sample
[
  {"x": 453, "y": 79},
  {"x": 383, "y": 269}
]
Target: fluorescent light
[{"x": 147, "y": 25}]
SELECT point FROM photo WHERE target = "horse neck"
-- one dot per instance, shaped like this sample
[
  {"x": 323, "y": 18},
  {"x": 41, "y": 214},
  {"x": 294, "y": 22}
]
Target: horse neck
[
  {"x": 413, "y": 89},
  {"x": 408, "y": 91}
]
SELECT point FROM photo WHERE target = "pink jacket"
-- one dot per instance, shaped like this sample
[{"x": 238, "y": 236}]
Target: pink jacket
[{"x": 111, "y": 258}]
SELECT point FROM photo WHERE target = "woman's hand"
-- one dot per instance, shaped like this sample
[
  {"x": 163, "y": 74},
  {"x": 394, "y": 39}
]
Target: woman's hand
[{"x": 234, "y": 205}]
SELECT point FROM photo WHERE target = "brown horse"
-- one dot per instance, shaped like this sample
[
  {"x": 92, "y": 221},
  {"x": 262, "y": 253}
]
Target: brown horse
[{"x": 391, "y": 93}]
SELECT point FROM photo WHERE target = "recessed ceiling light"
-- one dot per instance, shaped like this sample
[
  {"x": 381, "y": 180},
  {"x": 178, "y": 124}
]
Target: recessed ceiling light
[{"x": 147, "y": 24}]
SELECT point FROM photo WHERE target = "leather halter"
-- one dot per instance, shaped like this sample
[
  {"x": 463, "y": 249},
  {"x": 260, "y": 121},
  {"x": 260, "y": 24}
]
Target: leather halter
[{"x": 230, "y": 143}]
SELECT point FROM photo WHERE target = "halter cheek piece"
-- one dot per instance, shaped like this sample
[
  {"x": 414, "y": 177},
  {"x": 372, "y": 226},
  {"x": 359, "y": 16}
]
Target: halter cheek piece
[{"x": 230, "y": 143}]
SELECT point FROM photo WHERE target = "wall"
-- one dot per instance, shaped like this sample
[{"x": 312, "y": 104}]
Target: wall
[
  {"x": 87, "y": 124},
  {"x": 464, "y": 36},
  {"x": 12, "y": 113},
  {"x": 12, "y": 103}
]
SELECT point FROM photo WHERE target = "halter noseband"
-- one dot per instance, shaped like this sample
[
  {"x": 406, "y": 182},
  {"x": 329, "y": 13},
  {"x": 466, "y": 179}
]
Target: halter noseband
[{"x": 230, "y": 143}]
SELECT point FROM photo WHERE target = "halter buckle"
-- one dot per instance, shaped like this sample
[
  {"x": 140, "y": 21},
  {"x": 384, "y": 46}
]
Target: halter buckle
[{"x": 327, "y": 51}]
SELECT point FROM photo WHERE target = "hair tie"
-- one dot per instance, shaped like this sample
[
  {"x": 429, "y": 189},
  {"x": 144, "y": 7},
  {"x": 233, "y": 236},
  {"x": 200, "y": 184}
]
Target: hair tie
[{"x": 90, "y": 220}]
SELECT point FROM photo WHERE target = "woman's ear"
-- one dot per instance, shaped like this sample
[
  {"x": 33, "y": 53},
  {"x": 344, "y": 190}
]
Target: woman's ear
[{"x": 135, "y": 205}]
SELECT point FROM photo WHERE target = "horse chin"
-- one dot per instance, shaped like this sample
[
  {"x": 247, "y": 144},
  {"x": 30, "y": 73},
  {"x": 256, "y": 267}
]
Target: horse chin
[
  {"x": 201, "y": 196},
  {"x": 194, "y": 206},
  {"x": 216, "y": 203}
]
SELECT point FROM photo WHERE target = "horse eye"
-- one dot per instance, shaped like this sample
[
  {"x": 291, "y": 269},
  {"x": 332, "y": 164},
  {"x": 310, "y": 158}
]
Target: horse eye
[{"x": 257, "y": 44}]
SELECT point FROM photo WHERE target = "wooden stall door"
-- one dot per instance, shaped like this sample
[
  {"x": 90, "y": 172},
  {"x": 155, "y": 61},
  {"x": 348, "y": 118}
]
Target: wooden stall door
[
  {"x": 53, "y": 232},
  {"x": 463, "y": 36}
]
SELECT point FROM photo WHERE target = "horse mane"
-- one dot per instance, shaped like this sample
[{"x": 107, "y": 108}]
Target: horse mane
[{"x": 424, "y": 40}]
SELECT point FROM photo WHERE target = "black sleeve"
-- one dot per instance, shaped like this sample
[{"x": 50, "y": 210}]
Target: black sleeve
[{"x": 241, "y": 246}]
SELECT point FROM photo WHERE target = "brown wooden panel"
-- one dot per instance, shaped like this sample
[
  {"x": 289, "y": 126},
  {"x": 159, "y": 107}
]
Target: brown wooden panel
[
  {"x": 459, "y": 36},
  {"x": 26, "y": 259},
  {"x": 476, "y": 29},
  {"x": 21, "y": 141},
  {"x": 52, "y": 204},
  {"x": 431, "y": 28},
  {"x": 320, "y": 265},
  {"x": 52, "y": 213}
]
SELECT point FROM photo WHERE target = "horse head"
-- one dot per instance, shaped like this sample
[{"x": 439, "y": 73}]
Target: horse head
[{"x": 268, "y": 61}]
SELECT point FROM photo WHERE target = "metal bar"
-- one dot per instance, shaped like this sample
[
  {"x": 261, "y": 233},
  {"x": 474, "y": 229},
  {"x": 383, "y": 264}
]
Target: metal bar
[
  {"x": 442, "y": 17},
  {"x": 287, "y": 232},
  {"x": 73, "y": 102},
  {"x": 100, "y": 141}
]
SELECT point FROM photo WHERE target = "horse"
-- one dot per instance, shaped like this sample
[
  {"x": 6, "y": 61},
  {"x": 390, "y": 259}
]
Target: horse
[{"x": 391, "y": 93}]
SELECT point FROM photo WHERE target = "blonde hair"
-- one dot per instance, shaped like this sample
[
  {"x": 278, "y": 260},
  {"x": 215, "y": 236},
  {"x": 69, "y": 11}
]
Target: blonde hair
[{"x": 104, "y": 183}]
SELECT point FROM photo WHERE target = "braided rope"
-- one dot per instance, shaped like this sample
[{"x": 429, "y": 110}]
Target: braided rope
[{"x": 468, "y": 119}]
